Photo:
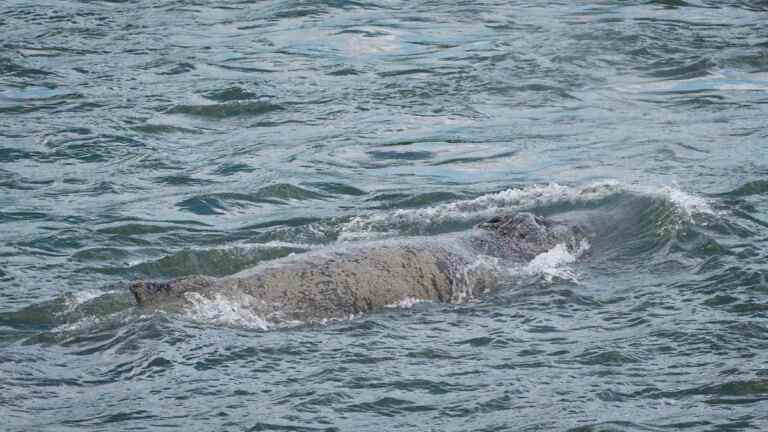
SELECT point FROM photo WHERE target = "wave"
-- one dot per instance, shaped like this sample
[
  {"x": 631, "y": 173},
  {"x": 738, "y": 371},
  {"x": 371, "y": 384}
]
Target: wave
[{"x": 540, "y": 198}]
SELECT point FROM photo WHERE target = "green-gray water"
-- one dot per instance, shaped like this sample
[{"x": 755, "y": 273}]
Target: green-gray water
[{"x": 160, "y": 139}]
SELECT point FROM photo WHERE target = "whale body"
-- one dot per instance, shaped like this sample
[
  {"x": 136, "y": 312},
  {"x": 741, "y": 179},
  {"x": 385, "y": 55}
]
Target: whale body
[{"x": 338, "y": 282}]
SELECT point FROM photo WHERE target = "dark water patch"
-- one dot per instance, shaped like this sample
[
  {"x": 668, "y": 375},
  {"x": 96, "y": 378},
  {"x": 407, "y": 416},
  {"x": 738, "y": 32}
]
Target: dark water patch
[
  {"x": 234, "y": 168},
  {"x": 284, "y": 191},
  {"x": 720, "y": 300},
  {"x": 317, "y": 403},
  {"x": 9, "y": 68},
  {"x": 21, "y": 216},
  {"x": 749, "y": 308},
  {"x": 756, "y": 61},
  {"x": 59, "y": 243},
  {"x": 402, "y": 72},
  {"x": 246, "y": 69},
  {"x": 205, "y": 205},
  {"x": 757, "y": 187},
  {"x": 345, "y": 72},
  {"x": 481, "y": 341},
  {"x": 426, "y": 386},
  {"x": 184, "y": 180},
  {"x": 264, "y": 427},
  {"x": 389, "y": 407},
  {"x": 727, "y": 393},
  {"x": 143, "y": 367},
  {"x": 12, "y": 155},
  {"x": 401, "y": 155},
  {"x": 337, "y": 188},
  {"x": 622, "y": 426},
  {"x": 461, "y": 160},
  {"x": 102, "y": 254},
  {"x": 607, "y": 358},
  {"x": 178, "y": 69},
  {"x": 220, "y": 203},
  {"x": 293, "y": 222},
  {"x": 29, "y": 98},
  {"x": 132, "y": 229},
  {"x": 231, "y": 94},
  {"x": 120, "y": 417},
  {"x": 226, "y": 110},
  {"x": 90, "y": 149},
  {"x": 696, "y": 68},
  {"x": 729, "y": 279},
  {"x": 418, "y": 201},
  {"x": 388, "y": 197},
  {"x": 159, "y": 129},
  {"x": 13, "y": 181},
  {"x": 54, "y": 105},
  {"x": 228, "y": 355}
]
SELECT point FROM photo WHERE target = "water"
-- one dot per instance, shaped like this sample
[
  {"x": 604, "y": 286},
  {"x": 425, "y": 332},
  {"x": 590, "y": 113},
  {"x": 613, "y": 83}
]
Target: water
[{"x": 151, "y": 140}]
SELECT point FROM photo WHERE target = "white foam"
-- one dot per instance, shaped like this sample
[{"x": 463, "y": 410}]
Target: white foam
[
  {"x": 466, "y": 278},
  {"x": 80, "y": 297},
  {"x": 687, "y": 207},
  {"x": 221, "y": 310},
  {"x": 555, "y": 263},
  {"x": 91, "y": 322},
  {"x": 689, "y": 204},
  {"x": 406, "y": 303}
]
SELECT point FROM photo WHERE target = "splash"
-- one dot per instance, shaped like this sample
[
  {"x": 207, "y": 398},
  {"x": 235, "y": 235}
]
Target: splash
[
  {"x": 466, "y": 277},
  {"x": 406, "y": 303},
  {"x": 79, "y": 326},
  {"x": 75, "y": 299},
  {"x": 689, "y": 205},
  {"x": 555, "y": 263},
  {"x": 221, "y": 310}
]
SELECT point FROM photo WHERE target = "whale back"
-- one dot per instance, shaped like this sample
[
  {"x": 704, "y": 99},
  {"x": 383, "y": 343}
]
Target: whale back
[{"x": 334, "y": 283}]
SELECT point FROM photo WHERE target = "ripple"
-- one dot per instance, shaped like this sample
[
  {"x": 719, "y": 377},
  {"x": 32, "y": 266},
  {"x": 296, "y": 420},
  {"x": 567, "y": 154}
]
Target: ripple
[{"x": 162, "y": 140}]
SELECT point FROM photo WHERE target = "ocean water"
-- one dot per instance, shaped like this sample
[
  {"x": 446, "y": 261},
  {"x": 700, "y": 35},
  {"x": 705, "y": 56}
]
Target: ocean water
[{"x": 161, "y": 139}]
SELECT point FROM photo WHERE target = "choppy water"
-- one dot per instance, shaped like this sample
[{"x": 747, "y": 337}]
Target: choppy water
[{"x": 158, "y": 139}]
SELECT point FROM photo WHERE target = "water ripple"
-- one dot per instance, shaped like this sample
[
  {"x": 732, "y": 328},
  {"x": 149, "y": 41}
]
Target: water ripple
[{"x": 153, "y": 140}]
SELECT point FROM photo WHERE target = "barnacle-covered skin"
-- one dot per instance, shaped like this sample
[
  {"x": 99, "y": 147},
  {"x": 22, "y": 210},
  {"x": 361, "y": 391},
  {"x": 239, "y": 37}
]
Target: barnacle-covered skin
[{"x": 338, "y": 282}]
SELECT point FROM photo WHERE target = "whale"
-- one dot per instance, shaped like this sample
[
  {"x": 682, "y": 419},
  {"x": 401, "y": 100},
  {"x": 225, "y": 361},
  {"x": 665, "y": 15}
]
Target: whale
[{"x": 348, "y": 280}]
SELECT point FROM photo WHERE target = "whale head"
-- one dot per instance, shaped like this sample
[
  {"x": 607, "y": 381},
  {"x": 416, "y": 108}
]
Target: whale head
[
  {"x": 526, "y": 235},
  {"x": 148, "y": 293}
]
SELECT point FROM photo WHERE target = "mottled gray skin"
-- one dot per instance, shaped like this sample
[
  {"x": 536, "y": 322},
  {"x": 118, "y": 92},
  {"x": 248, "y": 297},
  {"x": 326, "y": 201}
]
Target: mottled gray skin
[{"x": 332, "y": 282}]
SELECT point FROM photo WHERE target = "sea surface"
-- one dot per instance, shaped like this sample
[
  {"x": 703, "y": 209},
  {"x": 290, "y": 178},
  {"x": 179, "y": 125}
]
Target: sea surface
[{"x": 159, "y": 139}]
